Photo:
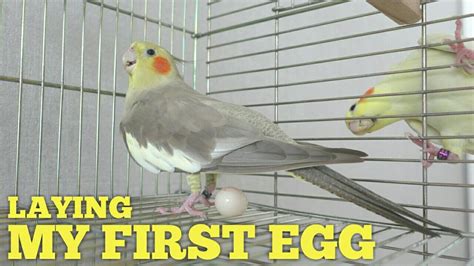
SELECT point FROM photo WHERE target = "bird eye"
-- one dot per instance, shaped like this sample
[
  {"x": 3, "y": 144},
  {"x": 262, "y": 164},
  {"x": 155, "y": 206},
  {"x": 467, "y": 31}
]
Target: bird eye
[
  {"x": 352, "y": 107},
  {"x": 150, "y": 52}
]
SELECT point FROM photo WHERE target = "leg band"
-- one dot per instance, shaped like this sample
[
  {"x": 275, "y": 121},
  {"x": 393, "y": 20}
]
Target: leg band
[
  {"x": 206, "y": 194},
  {"x": 443, "y": 154}
]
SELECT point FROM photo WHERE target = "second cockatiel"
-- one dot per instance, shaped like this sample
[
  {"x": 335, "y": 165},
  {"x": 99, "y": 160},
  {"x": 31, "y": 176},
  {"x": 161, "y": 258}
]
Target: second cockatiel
[
  {"x": 450, "y": 91},
  {"x": 167, "y": 126}
]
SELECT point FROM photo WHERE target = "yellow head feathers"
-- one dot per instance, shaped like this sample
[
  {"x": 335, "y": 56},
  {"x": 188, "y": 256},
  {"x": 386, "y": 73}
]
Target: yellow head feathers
[
  {"x": 148, "y": 65},
  {"x": 372, "y": 108}
]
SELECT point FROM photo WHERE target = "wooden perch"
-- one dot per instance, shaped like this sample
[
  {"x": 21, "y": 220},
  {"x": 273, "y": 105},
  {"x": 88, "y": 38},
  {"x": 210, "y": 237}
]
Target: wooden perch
[{"x": 400, "y": 11}]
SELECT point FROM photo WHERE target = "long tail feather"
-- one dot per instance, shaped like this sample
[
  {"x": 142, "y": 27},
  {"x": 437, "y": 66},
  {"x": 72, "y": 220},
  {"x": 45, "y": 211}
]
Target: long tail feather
[{"x": 343, "y": 187}]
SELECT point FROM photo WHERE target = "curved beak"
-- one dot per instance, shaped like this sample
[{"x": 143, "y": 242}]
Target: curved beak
[
  {"x": 129, "y": 60},
  {"x": 361, "y": 126}
]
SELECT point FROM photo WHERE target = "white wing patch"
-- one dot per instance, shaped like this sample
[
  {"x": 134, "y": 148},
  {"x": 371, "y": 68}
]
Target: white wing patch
[{"x": 155, "y": 159}]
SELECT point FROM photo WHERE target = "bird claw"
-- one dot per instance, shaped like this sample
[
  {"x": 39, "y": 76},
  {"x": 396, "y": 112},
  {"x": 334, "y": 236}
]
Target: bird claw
[
  {"x": 430, "y": 147},
  {"x": 431, "y": 150},
  {"x": 162, "y": 210},
  {"x": 188, "y": 209},
  {"x": 188, "y": 206},
  {"x": 206, "y": 202},
  {"x": 463, "y": 54},
  {"x": 426, "y": 163}
]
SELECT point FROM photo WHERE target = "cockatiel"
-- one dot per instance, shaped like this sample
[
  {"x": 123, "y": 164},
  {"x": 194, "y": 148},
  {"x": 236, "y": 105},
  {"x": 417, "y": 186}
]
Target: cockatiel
[
  {"x": 462, "y": 76},
  {"x": 167, "y": 126}
]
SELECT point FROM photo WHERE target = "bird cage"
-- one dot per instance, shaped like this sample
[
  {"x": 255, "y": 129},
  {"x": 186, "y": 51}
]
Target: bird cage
[{"x": 300, "y": 63}]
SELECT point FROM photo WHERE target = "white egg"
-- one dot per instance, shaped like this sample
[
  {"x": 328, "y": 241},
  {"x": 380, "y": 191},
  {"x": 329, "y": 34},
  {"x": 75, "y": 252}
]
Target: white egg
[{"x": 231, "y": 201}]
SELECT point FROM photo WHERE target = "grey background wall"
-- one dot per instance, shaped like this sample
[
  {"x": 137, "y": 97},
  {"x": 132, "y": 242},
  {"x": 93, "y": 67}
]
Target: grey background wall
[{"x": 10, "y": 22}]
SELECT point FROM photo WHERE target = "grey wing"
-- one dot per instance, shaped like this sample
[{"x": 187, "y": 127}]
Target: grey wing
[
  {"x": 175, "y": 128},
  {"x": 268, "y": 155},
  {"x": 172, "y": 128}
]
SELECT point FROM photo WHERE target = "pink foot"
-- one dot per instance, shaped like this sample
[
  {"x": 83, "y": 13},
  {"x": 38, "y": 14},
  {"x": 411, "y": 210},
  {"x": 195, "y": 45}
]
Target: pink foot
[
  {"x": 463, "y": 54},
  {"x": 188, "y": 206},
  {"x": 431, "y": 149},
  {"x": 206, "y": 202}
]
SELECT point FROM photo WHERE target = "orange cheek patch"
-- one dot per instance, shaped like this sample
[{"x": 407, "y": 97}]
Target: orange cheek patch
[
  {"x": 162, "y": 65},
  {"x": 370, "y": 91}
]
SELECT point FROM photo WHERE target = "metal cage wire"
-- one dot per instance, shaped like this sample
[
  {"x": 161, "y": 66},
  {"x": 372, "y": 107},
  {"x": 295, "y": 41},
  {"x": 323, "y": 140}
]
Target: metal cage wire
[{"x": 180, "y": 27}]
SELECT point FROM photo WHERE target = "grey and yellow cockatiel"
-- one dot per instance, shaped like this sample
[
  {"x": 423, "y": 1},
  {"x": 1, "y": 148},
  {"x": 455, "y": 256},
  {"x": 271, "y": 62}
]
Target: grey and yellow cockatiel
[
  {"x": 450, "y": 90},
  {"x": 167, "y": 126}
]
